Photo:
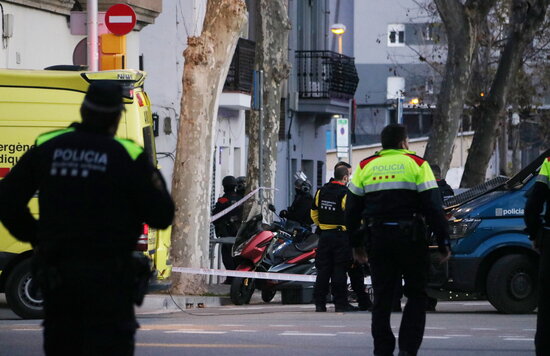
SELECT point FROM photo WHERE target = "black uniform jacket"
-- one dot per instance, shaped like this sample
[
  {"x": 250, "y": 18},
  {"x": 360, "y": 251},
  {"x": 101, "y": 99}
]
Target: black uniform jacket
[{"x": 94, "y": 192}]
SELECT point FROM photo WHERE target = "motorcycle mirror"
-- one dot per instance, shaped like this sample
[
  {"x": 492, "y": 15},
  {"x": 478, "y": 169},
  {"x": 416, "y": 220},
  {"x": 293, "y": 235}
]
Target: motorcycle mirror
[{"x": 271, "y": 207}]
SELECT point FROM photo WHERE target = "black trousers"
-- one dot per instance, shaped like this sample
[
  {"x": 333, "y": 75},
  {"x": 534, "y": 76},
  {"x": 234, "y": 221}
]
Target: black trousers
[
  {"x": 61, "y": 339},
  {"x": 332, "y": 262},
  {"x": 356, "y": 275},
  {"x": 392, "y": 254},
  {"x": 542, "y": 339}
]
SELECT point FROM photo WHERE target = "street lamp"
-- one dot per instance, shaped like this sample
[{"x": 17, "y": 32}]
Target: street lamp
[{"x": 338, "y": 29}]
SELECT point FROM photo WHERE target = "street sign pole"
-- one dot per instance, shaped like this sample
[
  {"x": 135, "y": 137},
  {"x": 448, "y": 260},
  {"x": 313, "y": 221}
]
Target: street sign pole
[{"x": 92, "y": 35}]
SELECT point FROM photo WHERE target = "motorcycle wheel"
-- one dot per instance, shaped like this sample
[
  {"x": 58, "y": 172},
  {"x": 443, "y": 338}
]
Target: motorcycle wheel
[
  {"x": 241, "y": 290},
  {"x": 268, "y": 294}
]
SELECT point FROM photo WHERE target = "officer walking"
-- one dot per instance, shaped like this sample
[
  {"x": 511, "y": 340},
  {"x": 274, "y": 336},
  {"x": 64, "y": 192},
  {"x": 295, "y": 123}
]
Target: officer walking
[
  {"x": 393, "y": 191},
  {"x": 539, "y": 232},
  {"x": 333, "y": 252},
  {"x": 356, "y": 271},
  {"x": 228, "y": 225},
  {"x": 95, "y": 191}
]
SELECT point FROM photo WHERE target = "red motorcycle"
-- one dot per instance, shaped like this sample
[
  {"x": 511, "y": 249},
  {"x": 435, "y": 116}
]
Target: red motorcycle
[{"x": 253, "y": 242}]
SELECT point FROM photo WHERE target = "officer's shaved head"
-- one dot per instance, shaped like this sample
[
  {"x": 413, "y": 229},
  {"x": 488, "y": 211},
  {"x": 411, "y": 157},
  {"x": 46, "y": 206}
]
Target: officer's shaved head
[
  {"x": 341, "y": 172},
  {"x": 392, "y": 136}
]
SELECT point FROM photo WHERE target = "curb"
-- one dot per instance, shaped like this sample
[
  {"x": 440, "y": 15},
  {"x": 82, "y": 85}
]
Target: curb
[{"x": 164, "y": 303}]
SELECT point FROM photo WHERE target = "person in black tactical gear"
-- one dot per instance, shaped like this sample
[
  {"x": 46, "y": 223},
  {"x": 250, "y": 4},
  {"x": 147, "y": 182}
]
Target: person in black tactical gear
[
  {"x": 333, "y": 253},
  {"x": 95, "y": 192},
  {"x": 228, "y": 225},
  {"x": 241, "y": 186},
  {"x": 444, "y": 188},
  {"x": 357, "y": 271},
  {"x": 538, "y": 227},
  {"x": 299, "y": 211},
  {"x": 392, "y": 192}
]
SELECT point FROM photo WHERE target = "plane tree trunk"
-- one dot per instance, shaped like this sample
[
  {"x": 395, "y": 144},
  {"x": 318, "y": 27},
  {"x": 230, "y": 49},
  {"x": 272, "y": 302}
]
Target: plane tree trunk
[
  {"x": 207, "y": 60},
  {"x": 526, "y": 18},
  {"x": 272, "y": 29}
]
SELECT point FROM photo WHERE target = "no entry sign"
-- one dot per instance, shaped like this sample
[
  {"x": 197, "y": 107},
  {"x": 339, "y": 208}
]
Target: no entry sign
[{"x": 120, "y": 19}]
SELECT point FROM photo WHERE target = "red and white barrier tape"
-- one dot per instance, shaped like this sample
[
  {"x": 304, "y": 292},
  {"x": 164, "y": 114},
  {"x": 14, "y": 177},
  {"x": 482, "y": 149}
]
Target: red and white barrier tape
[
  {"x": 237, "y": 204},
  {"x": 255, "y": 275}
]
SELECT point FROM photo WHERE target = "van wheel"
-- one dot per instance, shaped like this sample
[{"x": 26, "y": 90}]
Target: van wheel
[
  {"x": 241, "y": 290},
  {"x": 512, "y": 285},
  {"x": 22, "y": 293}
]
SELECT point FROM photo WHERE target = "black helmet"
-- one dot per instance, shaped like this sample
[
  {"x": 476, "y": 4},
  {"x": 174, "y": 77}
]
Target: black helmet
[
  {"x": 241, "y": 183},
  {"x": 302, "y": 185},
  {"x": 229, "y": 181}
]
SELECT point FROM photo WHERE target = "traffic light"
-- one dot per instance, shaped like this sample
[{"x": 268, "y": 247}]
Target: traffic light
[{"x": 112, "y": 52}]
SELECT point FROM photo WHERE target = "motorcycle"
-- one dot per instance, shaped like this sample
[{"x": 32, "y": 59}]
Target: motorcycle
[{"x": 253, "y": 242}]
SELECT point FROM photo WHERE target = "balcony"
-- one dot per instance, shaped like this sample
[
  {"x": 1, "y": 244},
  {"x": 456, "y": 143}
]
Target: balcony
[
  {"x": 326, "y": 81},
  {"x": 238, "y": 83},
  {"x": 239, "y": 76}
]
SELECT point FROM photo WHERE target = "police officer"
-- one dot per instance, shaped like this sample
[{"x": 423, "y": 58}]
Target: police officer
[
  {"x": 95, "y": 192},
  {"x": 539, "y": 232},
  {"x": 301, "y": 205},
  {"x": 356, "y": 271},
  {"x": 333, "y": 252},
  {"x": 393, "y": 191},
  {"x": 241, "y": 186},
  {"x": 228, "y": 225}
]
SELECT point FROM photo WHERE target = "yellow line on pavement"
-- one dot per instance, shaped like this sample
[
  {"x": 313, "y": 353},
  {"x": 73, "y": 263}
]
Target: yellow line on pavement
[{"x": 212, "y": 346}]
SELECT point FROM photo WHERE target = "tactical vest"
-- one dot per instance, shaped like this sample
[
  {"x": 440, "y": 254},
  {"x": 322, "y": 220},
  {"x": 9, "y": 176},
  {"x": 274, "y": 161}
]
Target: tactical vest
[{"x": 330, "y": 204}]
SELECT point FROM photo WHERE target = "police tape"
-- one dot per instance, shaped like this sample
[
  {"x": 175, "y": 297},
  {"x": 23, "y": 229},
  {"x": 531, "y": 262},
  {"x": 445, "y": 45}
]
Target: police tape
[
  {"x": 256, "y": 275},
  {"x": 237, "y": 204}
]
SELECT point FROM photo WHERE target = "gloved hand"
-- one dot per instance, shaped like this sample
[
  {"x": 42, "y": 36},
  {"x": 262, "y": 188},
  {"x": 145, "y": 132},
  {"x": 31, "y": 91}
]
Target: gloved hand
[{"x": 283, "y": 213}]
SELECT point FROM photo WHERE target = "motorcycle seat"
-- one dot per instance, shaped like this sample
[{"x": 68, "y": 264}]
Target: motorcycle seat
[{"x": 308, "y": 244}]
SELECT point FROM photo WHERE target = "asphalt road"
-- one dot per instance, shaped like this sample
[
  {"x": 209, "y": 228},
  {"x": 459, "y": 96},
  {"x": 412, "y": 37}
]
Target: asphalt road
[{"x": 457, "y": 328}]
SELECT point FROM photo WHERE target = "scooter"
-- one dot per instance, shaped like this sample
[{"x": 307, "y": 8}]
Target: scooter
[
  {"x": 293, "y": 258},
  {"x": 253, "y": 242}
]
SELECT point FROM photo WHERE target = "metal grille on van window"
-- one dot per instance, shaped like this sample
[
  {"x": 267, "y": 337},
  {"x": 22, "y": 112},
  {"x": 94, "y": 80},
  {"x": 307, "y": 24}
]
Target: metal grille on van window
[{"x": 476, "y": 191}]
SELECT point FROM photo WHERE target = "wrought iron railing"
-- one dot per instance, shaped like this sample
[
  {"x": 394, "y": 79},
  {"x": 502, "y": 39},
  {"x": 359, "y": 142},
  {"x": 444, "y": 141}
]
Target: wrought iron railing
[
  {"x": 326, "y": 74},
  {"x": 239, "y": 76}
]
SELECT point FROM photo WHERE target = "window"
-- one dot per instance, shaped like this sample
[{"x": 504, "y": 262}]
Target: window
[{"x": 396, "y": 35}]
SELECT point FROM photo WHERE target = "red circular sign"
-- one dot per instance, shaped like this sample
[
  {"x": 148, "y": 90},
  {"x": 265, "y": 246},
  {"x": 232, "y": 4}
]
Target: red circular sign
[{"x": 120, "y": 19}]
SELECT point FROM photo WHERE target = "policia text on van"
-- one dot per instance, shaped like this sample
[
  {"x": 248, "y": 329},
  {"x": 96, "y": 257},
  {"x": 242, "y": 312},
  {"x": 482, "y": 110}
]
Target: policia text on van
[{"x": 33, "y": 102}]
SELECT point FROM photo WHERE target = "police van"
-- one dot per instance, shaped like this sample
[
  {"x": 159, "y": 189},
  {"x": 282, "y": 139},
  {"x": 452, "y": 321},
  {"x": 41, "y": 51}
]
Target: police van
[{"x": 36, "y": 101}]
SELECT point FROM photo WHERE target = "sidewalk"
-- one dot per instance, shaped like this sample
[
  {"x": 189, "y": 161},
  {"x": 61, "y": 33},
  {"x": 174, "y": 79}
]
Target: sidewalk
[{"x": 217, "y": 295}]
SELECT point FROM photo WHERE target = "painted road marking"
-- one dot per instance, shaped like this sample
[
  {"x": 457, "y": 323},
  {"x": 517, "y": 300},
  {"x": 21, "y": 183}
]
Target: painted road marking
[
  {"x": 333, "y": 326},
  {"x": 294, "y": 333},
  {"x": 210, "y": 346},
  {"x": 281, "y": 326},
  {"x": 519, "y": 339},
  {"x": 436, "y": 337},
  {"x": 351, "y": 332},
  {"x": 194, "y": 332},
  {"x": 458, "y": 335},
  {"x": 234, "y": 325},
  {"x": 484, "y": 329},
  {"x": 435, "y": 328},
  {"x": 244, "y": 331}
]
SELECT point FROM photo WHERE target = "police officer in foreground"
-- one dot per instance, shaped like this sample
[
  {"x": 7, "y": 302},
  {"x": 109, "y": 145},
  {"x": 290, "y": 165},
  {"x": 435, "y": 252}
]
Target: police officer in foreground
[
  {"x": 95, "y": 191},
  {"x": 393, "y": 191},
  {"x": 333, "y": 252},
  {"x": 228, "y": 225},
  {"x": 356, "y": 271},
  {"x": 539, "y": 232}
]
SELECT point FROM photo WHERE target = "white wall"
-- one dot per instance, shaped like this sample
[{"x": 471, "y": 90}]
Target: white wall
[
  {"x": 372, "y": 18},
  {"x": 40, "y": 39}
]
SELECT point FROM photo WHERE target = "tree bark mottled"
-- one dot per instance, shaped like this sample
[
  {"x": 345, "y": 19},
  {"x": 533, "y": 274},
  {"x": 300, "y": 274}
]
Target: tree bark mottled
[
  {"x": 272, "y": 28},
  {"x": 462, "y": 23},
  {"x": 207, "y": 60},
  {"x": 526, "y": 18}
]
